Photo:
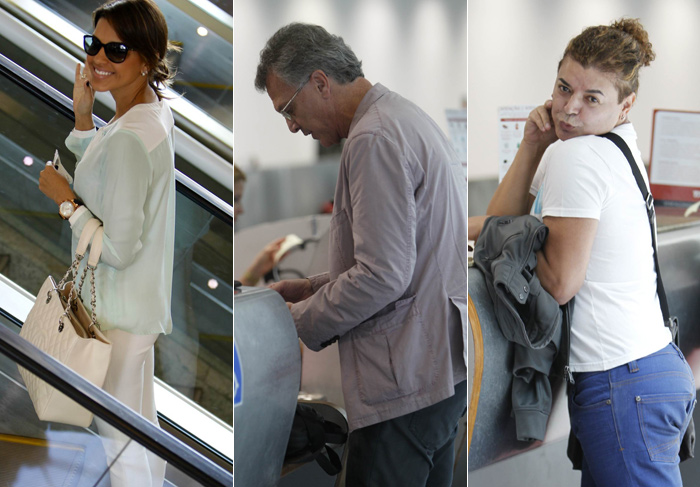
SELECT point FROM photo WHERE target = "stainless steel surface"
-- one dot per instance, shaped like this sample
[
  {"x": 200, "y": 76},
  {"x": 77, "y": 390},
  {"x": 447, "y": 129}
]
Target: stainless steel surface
[
  {"x": 679, "y": 260},
  {"x": 267, "y": 349}
]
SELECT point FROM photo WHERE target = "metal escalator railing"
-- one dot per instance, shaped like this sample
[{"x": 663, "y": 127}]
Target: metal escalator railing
[
  {"x": 185, "y": 459},
  {"x": 186, "y": 421}
]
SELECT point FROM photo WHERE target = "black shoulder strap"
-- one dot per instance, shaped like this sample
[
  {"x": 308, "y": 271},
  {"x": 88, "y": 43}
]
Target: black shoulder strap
[{"x": 670, "y": 321}]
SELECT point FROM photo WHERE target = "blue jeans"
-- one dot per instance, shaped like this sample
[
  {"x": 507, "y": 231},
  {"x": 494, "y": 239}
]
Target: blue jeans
[
  {"x": 630, "y": 420},
  {"x": 413, "y": 450}
]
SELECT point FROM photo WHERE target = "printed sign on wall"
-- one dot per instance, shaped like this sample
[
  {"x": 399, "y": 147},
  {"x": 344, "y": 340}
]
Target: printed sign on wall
[
  {"x": 675, "y": 157},
  {"x": 511, "y": 126}
]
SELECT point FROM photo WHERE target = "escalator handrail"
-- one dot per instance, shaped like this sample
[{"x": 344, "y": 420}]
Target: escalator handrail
[
  {"x": 15, "y": 304},
  {"x": 103, "y": 405},
  {"x": 204, "y": 198},
  {"x": 64, "y": 105}
]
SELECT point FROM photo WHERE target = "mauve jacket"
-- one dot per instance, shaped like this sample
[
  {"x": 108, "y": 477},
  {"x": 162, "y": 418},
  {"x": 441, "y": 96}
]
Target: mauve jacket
[{"x": 395, "y": 296}]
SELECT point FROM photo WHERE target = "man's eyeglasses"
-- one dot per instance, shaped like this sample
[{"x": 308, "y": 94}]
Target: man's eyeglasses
[
  {"x": 283, "y": 112},
  {"x": 115, "y": 51}
]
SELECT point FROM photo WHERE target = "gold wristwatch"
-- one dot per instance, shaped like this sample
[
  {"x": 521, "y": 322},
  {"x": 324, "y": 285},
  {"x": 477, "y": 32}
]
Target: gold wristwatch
[{"x": 67, "y": 208}]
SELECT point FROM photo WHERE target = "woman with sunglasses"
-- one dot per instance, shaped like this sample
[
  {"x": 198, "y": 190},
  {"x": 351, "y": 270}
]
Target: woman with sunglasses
[{"x": 125, "y": 177}]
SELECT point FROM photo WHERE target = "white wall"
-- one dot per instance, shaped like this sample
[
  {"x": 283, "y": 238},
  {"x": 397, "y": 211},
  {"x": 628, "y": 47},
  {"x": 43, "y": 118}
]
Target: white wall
[
  {"x": 515, "y": 45},
  {"x": 417, "y": 48}
]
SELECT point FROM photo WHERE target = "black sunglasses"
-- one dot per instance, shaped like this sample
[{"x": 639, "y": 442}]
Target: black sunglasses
[{"x": 115, "y": 51}]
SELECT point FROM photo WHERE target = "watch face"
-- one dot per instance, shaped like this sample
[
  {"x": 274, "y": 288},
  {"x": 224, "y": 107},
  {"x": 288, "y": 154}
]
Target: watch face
[{"x": 66, "y": 209}]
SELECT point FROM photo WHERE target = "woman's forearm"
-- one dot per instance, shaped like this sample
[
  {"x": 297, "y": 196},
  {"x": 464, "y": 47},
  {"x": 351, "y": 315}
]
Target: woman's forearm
[
  {"x": 512, "y": 195},
  {"x": 475, "y": 224}
]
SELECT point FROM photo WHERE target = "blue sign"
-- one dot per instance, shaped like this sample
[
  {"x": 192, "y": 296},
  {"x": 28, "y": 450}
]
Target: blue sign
[{"x": 237, "y": 377}]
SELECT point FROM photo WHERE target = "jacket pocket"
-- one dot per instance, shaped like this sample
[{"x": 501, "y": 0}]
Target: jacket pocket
[
  {"x": 461, "y": 303},
  {"x": 393, "y": 354},
  {"x": 342, "y": 244}
]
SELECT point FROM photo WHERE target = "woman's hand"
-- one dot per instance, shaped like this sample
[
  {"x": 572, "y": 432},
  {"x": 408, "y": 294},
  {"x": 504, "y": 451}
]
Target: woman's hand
[
  {"x": 539, "y": 128},
  {"x": 83, "y": 99},
  {"x": 512, "y": 197},
  {"x": 55, "y": 186},
  {"x": 263, "y": 263}
]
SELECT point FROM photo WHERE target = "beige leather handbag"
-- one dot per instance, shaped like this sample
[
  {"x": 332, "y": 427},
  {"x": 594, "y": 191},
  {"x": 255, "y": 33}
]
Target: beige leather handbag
[{"x": 59, "y": 324}]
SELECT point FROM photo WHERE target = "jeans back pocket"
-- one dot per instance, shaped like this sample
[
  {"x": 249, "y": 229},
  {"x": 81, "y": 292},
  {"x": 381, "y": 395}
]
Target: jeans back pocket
[{"x": 663, "y": 419}]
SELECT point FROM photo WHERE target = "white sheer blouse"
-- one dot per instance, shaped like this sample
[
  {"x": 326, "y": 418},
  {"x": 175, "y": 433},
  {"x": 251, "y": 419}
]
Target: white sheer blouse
[{"x": 125, "y": 176}]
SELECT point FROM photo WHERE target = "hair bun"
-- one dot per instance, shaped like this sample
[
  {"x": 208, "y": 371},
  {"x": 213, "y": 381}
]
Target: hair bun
[{"x": 634, "y": 28}]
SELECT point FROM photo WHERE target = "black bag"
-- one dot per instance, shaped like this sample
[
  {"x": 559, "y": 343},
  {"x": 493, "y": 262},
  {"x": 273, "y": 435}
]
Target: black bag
[{"x": 311, "y": 434}]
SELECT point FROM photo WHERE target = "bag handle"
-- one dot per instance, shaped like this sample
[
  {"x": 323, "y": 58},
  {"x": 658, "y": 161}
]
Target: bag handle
[
  {"x": 670, "y": 321},
  {"x": 95, "y": 252},
  {"x": 92, "y": 234},
  {"x": 86, "y": 236},
  {"x": 96, "y": 247}
]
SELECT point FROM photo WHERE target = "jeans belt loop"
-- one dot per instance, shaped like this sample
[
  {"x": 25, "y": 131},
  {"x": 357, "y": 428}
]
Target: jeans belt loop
[{"x": 633, "y": 367}]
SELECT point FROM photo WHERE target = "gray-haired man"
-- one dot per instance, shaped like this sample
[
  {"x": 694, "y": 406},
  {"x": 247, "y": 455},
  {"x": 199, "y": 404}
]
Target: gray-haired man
[{"x": 395, "y": 296}]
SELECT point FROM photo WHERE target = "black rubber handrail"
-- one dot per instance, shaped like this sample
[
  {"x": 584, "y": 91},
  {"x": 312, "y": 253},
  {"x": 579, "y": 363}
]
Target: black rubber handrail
[
  {"x": 94, "y": 399},
  {"x": 192, "y": 438}
]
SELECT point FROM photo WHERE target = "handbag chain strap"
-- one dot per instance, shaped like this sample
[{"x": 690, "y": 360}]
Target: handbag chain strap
[
  {"x": 92, "y": 234},
  {"x": 670, "y": 321}
]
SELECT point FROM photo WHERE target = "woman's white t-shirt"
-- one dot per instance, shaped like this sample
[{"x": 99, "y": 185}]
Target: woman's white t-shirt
[{"x": 616, "y": 317}]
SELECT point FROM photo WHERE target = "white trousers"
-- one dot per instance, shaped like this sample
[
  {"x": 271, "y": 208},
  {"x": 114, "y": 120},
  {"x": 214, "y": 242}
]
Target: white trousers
[{"x": 130, "y": 380}]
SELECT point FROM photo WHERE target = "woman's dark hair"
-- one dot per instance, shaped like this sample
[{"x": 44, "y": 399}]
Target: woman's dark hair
[
  {"x": 621, "y": 49},
  {"x": 141, "y": 25}
]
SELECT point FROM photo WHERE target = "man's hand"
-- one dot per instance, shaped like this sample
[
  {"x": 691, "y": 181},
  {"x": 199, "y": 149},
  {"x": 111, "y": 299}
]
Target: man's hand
[{"x": 293, "y": 290}]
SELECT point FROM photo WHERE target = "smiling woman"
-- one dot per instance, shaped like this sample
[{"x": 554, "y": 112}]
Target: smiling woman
[
  {"x": 125, "y": 79},
  {"x": 125, "y": 178},
  {"x": 127, "y": 54}
]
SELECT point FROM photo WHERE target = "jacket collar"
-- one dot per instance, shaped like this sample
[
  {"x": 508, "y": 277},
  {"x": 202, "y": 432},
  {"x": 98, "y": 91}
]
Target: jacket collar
[{"x": 375, "y": 93}]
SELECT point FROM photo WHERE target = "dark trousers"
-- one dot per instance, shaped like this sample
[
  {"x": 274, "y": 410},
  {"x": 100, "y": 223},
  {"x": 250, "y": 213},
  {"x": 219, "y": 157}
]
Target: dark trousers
[{"x": 416, "y": 449}]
